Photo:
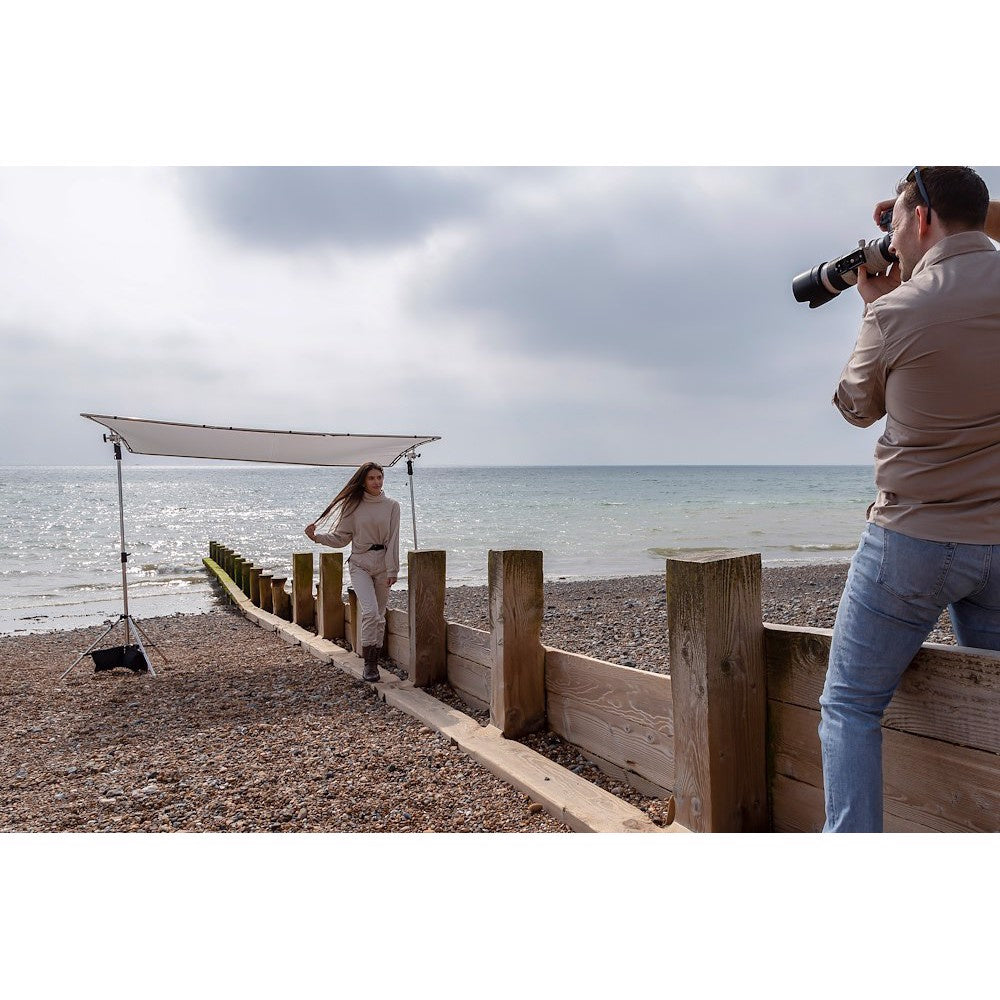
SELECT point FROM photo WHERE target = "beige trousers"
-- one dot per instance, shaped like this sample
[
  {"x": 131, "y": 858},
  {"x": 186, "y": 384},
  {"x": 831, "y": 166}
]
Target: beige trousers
[{"x": 373, "y": 598}]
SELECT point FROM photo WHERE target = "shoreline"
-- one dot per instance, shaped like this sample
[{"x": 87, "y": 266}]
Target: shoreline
[
  {"x": 26, "y": 620},
  {"x": 804, "y": 594}
]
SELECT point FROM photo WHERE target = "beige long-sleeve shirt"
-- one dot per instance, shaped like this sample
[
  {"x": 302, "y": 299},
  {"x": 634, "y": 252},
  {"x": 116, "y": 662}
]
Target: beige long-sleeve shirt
[
  {"x": 375, "y": 521},
  {"x": 928, "y": 359}
]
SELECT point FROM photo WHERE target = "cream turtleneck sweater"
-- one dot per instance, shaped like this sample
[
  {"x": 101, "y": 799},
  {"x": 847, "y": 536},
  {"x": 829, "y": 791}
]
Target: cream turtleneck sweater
[{"x": 375, "y": 521}]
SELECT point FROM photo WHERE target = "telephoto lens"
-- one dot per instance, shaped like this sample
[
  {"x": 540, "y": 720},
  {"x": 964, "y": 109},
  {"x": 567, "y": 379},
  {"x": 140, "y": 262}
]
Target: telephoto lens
[{"x": 827, "y": 280}]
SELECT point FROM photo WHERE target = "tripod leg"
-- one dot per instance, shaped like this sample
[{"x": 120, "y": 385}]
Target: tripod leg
[
  {"x": 152, "y": 644},
  {"x": 92, "y": 646},
  {"x": 142, "y": 649}
]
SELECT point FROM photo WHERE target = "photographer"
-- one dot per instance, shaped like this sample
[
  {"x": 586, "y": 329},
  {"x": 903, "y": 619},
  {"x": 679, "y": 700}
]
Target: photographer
[{"x": 926, "y": 358}]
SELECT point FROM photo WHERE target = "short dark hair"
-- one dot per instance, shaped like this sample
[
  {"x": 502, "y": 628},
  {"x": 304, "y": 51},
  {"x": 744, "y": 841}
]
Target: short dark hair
[{"x": 957, "y": 194}]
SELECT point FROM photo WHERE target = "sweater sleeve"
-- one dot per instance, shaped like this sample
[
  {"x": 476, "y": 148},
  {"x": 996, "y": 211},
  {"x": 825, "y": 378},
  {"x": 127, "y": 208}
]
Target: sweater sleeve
[
  {"x": 341, "y": 534},
  {"x": 392, "y": 547}
]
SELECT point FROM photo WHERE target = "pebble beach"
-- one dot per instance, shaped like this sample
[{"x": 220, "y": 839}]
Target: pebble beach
[{"x": 240, "y": 732}]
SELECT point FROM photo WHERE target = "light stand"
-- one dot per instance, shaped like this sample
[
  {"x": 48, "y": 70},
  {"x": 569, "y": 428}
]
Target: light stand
[
  {"x": 131, "y": 656},
  {"x": 410, "y": 456}
]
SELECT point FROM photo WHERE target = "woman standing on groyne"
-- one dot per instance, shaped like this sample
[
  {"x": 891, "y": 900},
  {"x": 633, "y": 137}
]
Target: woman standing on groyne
[{"x": 369, "y": 521}]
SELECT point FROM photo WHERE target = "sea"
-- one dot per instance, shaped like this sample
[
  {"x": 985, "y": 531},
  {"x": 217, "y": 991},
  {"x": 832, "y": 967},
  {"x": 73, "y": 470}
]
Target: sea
[{"x": 60, "y": 537}]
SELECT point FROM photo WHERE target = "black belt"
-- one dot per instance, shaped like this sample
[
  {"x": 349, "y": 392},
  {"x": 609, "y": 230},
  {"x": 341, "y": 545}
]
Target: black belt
[{"x": 376, "y": 548}]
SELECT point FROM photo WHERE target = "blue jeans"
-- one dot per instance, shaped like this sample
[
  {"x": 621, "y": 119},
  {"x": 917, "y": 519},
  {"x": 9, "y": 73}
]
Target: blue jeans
[{"x": 896, "y": 589}]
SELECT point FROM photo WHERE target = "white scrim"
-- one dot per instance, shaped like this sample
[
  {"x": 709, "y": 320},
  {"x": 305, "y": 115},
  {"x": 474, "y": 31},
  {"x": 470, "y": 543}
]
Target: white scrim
[{"x": 242, "y": 444}]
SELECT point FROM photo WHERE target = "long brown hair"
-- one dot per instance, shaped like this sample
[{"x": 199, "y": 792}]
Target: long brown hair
[{"x": 350, "y": 496}]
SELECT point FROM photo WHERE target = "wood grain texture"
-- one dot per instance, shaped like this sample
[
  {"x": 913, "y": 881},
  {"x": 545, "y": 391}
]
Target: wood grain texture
[
  {"x": 330, "y": 622},
  {"x": 397, "y": 623},
  {"x": 622, "y": 715},
  {"x": 399, "y": 649},
  {"x": 470, "y": 680},
  {"x": 425, "y": 604},
  {"x": 469, "y": 643},
  {"x": 516, "y": 603},
  {"x": 354, "y": 615},
  {"x": 303, "y": 606},
  {"x": 719, "y": 691},
  {"x": 928, "y": 784},
  {"x": 265, "y": 591},
  {"x": 281, "y": 601},
  {"x": 949, "y": 693}
]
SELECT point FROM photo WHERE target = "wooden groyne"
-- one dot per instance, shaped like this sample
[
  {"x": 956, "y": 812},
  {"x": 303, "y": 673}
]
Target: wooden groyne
[{"x": 731, "y": 734}]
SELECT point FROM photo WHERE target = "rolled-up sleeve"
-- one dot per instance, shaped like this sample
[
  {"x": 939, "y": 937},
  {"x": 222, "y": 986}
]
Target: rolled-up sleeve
[{"x": 860, "y": 396}]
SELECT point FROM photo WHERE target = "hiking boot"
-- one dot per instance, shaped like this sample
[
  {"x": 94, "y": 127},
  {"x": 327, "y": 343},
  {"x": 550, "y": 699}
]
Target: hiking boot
[{"x": 371, "y": 673}]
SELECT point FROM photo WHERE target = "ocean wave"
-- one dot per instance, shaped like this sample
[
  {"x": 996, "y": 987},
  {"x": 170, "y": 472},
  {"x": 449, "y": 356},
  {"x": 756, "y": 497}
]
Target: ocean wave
[
  {"x": 667, "y": 553},
  {"x": 823, "y": 547}
]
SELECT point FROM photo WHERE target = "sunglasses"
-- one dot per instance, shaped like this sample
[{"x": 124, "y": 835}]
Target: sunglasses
[{"x": 914, "y": 177}]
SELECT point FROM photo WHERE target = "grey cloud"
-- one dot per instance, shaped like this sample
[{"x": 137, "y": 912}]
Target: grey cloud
[
  {"x": 290, "y": 208},
  {"x": 671, "y": 277}
]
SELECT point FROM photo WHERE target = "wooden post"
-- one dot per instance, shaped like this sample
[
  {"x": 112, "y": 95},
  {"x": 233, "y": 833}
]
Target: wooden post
[
  {"x": 281, "y": 602},
  {"x": 331, "y": 595},
  {"x": 237, "y": 572},
  {"x": 265, "y": 592},
  {"x": 517, "y": 697},
  {"x": 719, "y": 692},
  {"x": 425, "y": 576},
  {"x": 355, "y": 637},
  {"x": 245, "y": 578},
  {"x": 255, "y": 585},
  {"x": 303, "y": 608}
]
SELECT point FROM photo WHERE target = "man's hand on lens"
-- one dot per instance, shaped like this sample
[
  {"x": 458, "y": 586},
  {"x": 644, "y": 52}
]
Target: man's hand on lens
[
  {"x": 874, "y": 286},
  {"x": 880, "y": 208}
]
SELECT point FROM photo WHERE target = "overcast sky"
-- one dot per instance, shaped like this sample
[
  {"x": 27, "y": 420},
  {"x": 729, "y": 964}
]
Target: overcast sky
[{"x": 526, "y": 315}]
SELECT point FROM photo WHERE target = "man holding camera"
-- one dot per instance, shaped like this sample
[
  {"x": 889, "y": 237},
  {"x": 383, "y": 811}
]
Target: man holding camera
[{"x": 926, "y": 358}]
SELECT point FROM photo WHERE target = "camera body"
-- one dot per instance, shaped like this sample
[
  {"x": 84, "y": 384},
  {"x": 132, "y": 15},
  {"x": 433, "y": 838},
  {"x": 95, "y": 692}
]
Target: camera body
[{"x": 827, "y": 280}]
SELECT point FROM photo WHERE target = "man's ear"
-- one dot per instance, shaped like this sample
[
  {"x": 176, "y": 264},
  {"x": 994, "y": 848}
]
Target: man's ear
[{"x": 923, "y": 220}]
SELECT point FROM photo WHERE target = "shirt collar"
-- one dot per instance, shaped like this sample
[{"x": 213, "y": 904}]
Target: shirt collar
[{"x": 972, "y": 241}]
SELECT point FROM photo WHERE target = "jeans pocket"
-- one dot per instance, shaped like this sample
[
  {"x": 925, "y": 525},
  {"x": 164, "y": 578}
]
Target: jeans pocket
[
  {"x": 914, "y": 567},
  {"x": 987, "y": 596}
]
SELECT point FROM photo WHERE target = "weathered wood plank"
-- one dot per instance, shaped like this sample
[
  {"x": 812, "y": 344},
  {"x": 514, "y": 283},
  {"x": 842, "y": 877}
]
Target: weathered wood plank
[
  {"x": 642, "y": 785},
  {"x": 517, "y": 677},
  {"x": 796, "y": 807},
  {"x": 949, "y": 693},
  {"x": 330, "y": 600},
  {"x": 719, "y": 691},
  {"x": 469, "y": 643},
  {"x": 353, "y": 615},
  {"x": 397, "y": 623},
  {"x": 281, "y": 600},
  {"x": 303, "y": 602},
  {"x": 427, "y": 629},
  {"x": 940, "y": 786},
  {"x": 399, "y": 649},
  {"x": 623, "y": 715},
  {"x": 928, "y": 784},
  {"x": 264, "y": 586},
  {"x": 469, "y": 678}
]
